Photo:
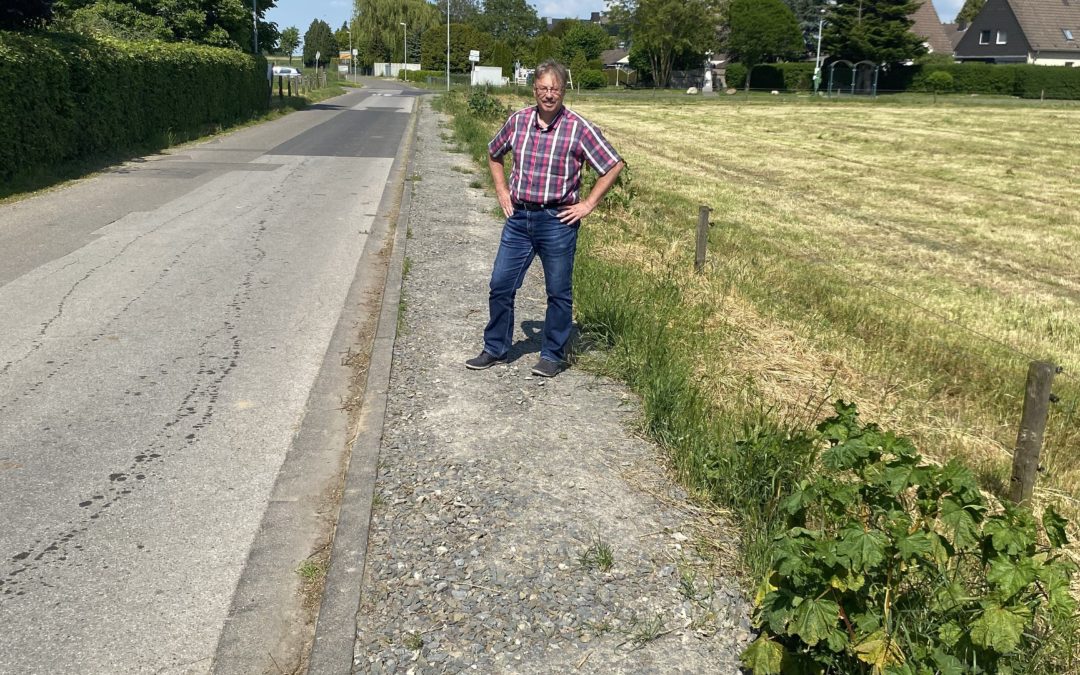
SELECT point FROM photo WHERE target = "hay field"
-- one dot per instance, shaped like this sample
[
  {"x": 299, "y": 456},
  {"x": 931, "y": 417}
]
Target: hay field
[{"x": 909, "y": 257}]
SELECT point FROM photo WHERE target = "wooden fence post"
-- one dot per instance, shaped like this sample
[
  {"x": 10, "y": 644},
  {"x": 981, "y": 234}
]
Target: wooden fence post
[
  {"x": 1029, "y": 440},
  {"x": 702, "y": 240}
]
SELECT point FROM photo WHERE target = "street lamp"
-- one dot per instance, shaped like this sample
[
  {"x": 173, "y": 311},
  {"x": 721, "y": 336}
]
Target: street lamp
[
  {"x": 447, "y": 45},
  {"x": 817, "y": 59},
  {"x": 405, "y": 61}
]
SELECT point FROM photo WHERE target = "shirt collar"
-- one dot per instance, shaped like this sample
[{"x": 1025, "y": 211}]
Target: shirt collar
[{"x": 554, "y": 123}]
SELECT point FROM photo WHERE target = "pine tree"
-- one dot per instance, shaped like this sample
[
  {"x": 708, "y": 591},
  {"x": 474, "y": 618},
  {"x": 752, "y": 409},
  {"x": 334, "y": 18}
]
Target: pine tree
[
  {"x": 969, "y": 11},
  {"x": 873, "y": 30}
]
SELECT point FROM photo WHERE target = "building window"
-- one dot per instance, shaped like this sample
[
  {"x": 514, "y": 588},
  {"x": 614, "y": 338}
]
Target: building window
[
  {"x": 1068, "y": 34},
  {"x": 984, "y": 37},
  {"x": 1002, "y": 37}
]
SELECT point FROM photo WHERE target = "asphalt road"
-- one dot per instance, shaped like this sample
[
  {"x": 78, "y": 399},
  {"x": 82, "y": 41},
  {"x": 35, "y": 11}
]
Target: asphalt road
[{"x": 171, "y": 333}]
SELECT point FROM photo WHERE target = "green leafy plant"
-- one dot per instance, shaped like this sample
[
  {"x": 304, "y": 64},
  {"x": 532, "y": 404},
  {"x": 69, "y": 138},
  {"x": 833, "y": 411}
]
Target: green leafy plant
[
  {"x": 891, "y": 565},
  {"x": 485, "y": 106}
]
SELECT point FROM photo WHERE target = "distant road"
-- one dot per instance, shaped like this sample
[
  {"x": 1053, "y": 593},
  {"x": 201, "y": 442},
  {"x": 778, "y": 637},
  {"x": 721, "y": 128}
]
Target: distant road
[{"x": 165, "y": 333}]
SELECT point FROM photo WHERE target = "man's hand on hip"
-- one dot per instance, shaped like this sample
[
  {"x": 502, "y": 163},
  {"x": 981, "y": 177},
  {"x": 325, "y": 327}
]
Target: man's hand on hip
[{"x": 575, "y": 212}]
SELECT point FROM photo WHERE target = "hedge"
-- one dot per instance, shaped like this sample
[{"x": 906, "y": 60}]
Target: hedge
[
  {"x": 1022, "y": 80},
  {"x": 797, "y": 76},
  {"x": 420, "y": 76},
  {"x": 70, "y": 96}
]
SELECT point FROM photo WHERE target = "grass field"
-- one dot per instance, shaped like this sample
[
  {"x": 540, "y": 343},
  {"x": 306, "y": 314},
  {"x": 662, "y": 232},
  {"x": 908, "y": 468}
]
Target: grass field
[{"x": 909, "y": 257}]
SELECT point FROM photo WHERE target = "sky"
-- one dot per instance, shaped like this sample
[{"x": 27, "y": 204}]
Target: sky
[{"x": 300, "y": 13}]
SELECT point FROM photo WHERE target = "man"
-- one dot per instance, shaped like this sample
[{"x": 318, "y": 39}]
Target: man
[{"x": 550, "y": 145}]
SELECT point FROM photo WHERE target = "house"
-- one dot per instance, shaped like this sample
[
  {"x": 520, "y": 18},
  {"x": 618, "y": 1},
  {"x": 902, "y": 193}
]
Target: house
[
  {"x": 615, "y": 57},
  {"x": 1041, "y": 32},
  {"x": 929, "y": 27},
  {"x": 955, "y": 31}
]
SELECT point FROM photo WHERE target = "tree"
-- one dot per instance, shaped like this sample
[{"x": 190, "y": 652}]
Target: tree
[
  {"x": 343, "y": 37},
  {"x": 760, "y": 30},
  {"x": 545, "y": 47},
  {"x": 319, "y": 40},
  {"x": 874, "y": 30},
  {"x": 221, "y": 23},
  {"x": 969, "y": 11},
  {"x": 585, "y": 37},
  {"x": 463, "y": 38},
  {"x": 378, "y": 27},
  {"x": 499, "y": 55},
  {"x": 289, "y": 41},
  {"x": 664, "y": 31},
  {"x": 512, "y": 21},
  {"x": 24, "y": 14},
  {"x": 461, "y": 11}
]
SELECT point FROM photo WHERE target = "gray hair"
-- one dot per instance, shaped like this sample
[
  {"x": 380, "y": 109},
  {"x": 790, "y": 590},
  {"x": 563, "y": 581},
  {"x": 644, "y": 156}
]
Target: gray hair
[{"x": 554, "y": 68}]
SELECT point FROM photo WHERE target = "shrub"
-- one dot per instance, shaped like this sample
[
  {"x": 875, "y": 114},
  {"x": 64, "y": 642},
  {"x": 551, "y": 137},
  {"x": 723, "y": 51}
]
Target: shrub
[
  {"x": 591, "y": 79},
  {"x": 939, "y": 81},
  {"x": 736, "y": 75},
  {"x": 485, "y": 106},
  {"x": 70, "y": 97},
  {"x": 892, "y": 565}
]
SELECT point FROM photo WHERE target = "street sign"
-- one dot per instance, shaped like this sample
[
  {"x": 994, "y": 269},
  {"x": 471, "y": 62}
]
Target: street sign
[
  {"x": 474, "y": 55},
  {"x": 318, "y": 55}
]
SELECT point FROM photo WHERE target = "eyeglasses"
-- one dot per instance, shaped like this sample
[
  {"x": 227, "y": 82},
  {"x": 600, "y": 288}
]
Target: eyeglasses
[{"x": 548, "y": 90}]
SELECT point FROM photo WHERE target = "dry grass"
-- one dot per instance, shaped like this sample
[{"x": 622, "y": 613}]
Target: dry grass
[{"x": 910, "y": 258}]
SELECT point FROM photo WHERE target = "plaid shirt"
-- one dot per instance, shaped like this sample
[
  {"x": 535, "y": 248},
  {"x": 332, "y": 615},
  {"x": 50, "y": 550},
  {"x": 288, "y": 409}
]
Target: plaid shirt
[{"x": 547, "y": 161}]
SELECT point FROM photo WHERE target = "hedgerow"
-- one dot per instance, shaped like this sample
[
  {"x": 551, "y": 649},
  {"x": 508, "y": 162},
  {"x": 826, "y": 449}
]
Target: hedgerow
[
  {"x": 71, "y": 97},
  {"x": 1022, "y": 80}
]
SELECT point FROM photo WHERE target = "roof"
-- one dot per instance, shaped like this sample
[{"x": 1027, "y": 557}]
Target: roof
[
  {"x": 955, "y": 32},
  {"x": 928, "y": 26},
  {"x": 612, "y": 56},
  {"x": 1044, "y": 23}
]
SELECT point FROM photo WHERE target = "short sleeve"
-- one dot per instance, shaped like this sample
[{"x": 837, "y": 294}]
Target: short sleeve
[
  {"x": 501, "y": 143},
  {"x": 599, "y": 153}
]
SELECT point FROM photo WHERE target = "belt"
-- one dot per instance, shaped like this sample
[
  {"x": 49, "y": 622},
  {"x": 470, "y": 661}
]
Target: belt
[{"x": 537, "y": 206}]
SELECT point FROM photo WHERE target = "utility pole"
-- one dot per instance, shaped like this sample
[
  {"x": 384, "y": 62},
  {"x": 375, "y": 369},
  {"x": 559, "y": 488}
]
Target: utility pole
[
  {"x": 817, "y": 59},
  {"x": 255, "y": 24}
]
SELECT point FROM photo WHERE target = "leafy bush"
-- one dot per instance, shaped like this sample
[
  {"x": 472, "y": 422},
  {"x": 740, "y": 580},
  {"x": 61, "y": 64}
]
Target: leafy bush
[
  {"x": 939, "y": 81},
  {"x": 70, "y": 96},
  {"x": 485, "y": 106},
  {"x": 591, "y": 79},
  {"x": 891, "y": 565},
  {"x": 736, "y": 75}
]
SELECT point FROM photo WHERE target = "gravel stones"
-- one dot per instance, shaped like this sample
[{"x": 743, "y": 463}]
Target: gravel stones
[{"x": 494, "y": 484}]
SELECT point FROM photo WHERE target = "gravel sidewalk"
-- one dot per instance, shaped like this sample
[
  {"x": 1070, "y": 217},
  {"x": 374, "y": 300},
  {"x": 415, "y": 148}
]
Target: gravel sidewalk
[{"x": 494, "y": 485}]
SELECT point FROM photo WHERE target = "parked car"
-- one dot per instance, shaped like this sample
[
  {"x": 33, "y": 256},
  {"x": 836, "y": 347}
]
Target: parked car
[{"x": 286, "y": 71}]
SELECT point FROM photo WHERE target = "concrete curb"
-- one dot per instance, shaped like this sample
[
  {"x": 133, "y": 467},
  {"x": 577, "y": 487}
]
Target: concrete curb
[{"x": 335, "y": 630}]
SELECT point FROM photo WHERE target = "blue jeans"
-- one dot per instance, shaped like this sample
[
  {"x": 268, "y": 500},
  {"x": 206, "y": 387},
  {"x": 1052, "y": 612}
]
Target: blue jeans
[{"x": 525, "y": 235}]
